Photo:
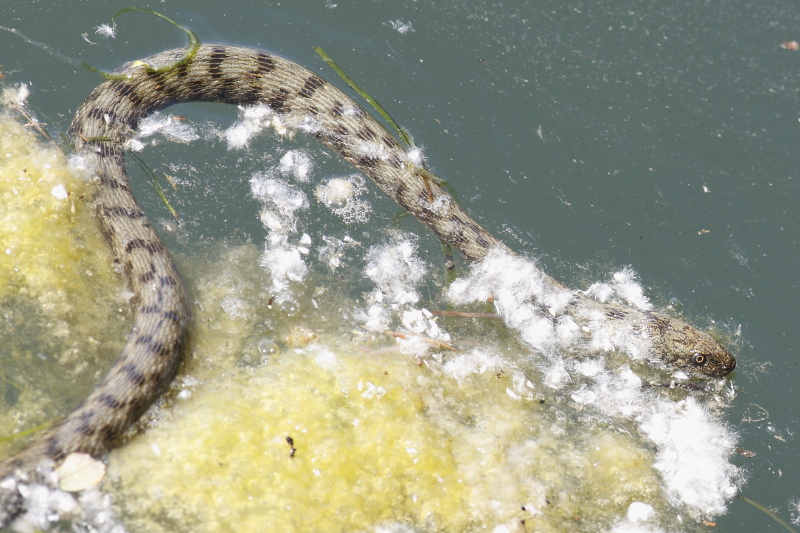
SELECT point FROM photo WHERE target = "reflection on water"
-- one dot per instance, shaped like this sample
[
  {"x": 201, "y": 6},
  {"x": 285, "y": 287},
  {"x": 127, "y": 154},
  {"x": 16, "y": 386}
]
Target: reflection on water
[{"x": 398, "y": 420}]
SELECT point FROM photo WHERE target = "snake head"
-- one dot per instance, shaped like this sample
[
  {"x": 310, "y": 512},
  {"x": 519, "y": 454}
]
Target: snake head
[{"x": 677, "y": 343}]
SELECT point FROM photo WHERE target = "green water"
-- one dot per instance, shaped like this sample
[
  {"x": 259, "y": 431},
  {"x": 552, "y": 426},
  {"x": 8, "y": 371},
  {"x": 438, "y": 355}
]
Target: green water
[{"x": 583, "y": 133}]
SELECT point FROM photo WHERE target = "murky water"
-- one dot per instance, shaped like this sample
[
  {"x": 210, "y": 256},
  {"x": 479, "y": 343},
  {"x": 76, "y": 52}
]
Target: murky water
[{"x": 587, "y": 136}]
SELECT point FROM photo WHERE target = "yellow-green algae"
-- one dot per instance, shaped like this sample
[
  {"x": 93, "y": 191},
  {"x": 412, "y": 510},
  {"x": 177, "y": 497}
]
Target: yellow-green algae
[
  {"x": 381, "y": 437},
  {"x": 378, "y": 439},
  {"x": 64, "y": 315}
]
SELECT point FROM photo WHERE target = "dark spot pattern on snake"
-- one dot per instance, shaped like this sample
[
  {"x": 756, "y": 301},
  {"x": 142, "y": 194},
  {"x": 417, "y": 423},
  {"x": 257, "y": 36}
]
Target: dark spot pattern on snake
[
  {"x": 215, "y": 68},
  {"x": 311, "y": 85}
]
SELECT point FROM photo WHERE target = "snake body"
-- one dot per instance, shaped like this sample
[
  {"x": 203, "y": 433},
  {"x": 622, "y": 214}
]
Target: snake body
[{"x": 156, "y": 341}]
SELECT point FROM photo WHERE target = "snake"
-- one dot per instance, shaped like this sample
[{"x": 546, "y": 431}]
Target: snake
[{"x": 155, "y": 344}]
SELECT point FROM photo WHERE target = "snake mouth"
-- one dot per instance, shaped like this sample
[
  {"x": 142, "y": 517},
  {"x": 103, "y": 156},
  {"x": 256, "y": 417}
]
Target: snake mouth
[{"x": 730, "y": 364}]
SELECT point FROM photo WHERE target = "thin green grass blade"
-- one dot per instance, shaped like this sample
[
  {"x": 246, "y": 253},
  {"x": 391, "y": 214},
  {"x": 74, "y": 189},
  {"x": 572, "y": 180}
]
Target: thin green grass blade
[
  {"x": 768, "y": 513},
  {"x": 154, "y": 182},
  {"x": 25, "y": 433},
  {"x": 50, "y": 50},
  {"x": 194, "y": 44},
  {"x": 357, "y": 88},
  {"x": 401, "y": 132}
]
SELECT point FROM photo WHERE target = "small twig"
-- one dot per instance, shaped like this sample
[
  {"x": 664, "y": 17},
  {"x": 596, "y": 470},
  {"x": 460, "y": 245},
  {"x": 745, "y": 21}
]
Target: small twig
[
  {"x": 18, "y": 108},
  {"x": 465, "y": 314},
  {"x": 425, "y": 339},
  {"x": 687, "y": 386}
]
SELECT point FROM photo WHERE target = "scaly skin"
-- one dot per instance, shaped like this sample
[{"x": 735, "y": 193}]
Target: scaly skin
[{"x": 155, "y": 344}]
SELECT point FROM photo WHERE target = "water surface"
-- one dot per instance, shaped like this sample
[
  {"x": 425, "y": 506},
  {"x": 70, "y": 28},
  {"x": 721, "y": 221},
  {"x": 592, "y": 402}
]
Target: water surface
[{"x": 589, "y": 135}]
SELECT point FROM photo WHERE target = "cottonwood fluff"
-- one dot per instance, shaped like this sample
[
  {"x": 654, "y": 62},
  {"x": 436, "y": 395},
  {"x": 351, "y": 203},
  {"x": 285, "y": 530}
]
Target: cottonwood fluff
[{"x": 693, "y": 446}]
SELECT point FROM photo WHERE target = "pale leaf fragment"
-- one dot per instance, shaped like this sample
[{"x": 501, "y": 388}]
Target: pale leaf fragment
[{"x": 80, "y": 471}]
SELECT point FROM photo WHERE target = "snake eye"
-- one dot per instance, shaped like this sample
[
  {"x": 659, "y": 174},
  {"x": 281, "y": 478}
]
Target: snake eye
[{"x": 698, "y": 359}]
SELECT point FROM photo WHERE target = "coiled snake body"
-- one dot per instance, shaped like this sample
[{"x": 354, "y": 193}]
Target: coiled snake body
[{"x": 155, "y": 344}]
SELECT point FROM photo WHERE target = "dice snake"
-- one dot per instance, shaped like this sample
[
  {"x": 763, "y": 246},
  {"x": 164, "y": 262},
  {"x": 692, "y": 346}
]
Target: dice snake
[{"x": 155, "y": 344}]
